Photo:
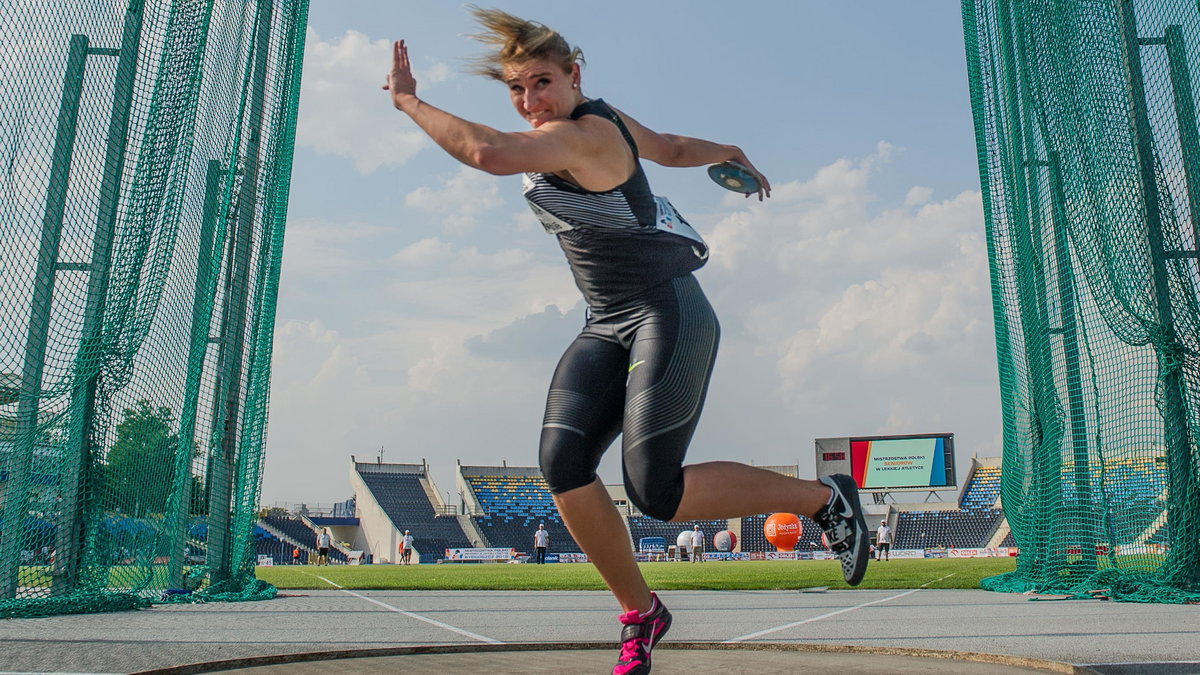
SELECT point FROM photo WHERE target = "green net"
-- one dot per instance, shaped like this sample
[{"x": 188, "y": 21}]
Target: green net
[
  {"x": 1085, "y": 117},
  {"x": 146, "y": 151}
]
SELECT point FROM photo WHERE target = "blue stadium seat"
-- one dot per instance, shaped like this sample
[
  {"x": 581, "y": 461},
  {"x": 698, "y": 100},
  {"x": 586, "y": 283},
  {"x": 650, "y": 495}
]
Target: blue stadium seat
[
  {"x": 402, "y": 497},
  {"x": 515, "y": 505}
]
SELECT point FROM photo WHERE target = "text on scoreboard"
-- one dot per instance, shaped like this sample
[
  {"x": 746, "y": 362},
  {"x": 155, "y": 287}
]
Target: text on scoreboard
[{"x": 902, "y": 462}]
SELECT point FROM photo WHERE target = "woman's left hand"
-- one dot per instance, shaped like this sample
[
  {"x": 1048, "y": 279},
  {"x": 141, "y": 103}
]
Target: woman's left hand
[
  {"x": 400, "y": 80},
  {"x": 764, "y": 186}
]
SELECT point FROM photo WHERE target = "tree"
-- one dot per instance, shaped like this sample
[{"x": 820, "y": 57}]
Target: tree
[{"x": 142, "y": 460}]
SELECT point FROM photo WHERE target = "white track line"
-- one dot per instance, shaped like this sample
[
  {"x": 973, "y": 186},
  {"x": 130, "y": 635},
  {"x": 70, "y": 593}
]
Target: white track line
[
  {"x": 938, "y": 579},
  {"x": 418, "y": 617},
  {"x": 776, "y": 629},
  {"x": 327, "y": 581},
  {"x": 760, "y": 633}
]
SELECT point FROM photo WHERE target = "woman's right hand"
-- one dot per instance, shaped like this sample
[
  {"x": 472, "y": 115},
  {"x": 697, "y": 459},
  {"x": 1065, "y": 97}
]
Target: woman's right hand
[{"x": 400, "y": 81}]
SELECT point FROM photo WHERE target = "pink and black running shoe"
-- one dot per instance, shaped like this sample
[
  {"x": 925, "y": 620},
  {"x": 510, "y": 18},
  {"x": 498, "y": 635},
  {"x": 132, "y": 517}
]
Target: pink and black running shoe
[{"x": 639, "y": 636}]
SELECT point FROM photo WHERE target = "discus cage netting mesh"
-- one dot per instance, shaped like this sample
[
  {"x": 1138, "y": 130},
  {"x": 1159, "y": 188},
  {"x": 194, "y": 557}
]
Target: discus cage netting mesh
[
  {"x": 146, "y": 150},
  {"x": 1085, "y": 118}
]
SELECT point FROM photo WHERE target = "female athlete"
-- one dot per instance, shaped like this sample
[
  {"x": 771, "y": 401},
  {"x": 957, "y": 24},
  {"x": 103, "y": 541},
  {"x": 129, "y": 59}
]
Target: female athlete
[{"x": 641, "y": 365}]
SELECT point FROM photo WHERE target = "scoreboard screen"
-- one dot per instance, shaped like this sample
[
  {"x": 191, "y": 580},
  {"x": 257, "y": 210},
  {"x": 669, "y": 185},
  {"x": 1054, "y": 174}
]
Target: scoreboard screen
[{"x": 881, "y": 463}]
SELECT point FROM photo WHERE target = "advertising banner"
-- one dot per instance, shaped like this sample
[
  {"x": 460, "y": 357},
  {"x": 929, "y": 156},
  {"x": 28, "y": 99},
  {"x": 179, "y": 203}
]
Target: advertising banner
[
  {"x": 908, "y": 553},
  {"x": 266, "y": 561},
  {"x": 720, "y": 555},
  {"x": 469, "y": 554},
  {"x": 571, "y": 557}
]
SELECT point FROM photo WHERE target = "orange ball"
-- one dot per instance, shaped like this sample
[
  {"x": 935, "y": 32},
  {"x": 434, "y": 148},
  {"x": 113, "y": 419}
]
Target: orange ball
[{"x": 783, "y": 530}]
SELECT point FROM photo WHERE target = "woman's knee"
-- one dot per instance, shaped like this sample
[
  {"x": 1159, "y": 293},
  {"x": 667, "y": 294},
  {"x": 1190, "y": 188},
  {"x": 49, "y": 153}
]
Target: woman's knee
[
  {"x": 564, "y": 466},
  {"x": 655, "y": 496}
]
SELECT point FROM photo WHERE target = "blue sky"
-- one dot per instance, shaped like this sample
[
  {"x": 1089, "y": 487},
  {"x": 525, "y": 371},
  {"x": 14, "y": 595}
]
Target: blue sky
[{"x": 422, "y": 308}]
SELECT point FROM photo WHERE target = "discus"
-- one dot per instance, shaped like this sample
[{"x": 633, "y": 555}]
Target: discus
[{"x": 735, "y": 177}]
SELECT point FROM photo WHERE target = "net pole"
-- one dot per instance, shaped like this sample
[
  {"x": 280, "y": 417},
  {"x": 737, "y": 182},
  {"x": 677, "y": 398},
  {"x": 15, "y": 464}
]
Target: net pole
[
  {"x": 1068, "y": 329},
  {"x": 1044, "y": 433},
  {"x": 1180, "y": 566},
  {"x": 1185, "y": 113},
  {"x": 78, "y": 470},
  {"x": 235, "y": 309},
  {"x": 16, "y": 499},
  {"x": 179, "y": 507},
  {"x": 983, "y": 117},
  {"x": 278, "y": 160}
]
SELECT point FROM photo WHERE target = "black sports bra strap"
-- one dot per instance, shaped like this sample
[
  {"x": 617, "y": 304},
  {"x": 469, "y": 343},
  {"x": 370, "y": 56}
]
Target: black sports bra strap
[{"x": 597, "y": 106}]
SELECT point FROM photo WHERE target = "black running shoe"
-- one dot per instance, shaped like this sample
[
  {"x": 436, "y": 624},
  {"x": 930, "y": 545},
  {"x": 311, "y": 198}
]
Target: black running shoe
[
  {"x": 845, "y": 528},
  {"x": 639, "y": 636}
]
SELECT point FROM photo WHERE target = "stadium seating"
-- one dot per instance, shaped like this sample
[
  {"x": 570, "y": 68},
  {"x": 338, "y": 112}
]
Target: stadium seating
[
  {"x": 1133, "y": 488},
  {"x": 514, "y": 505},
  {"x": 298, "y": 531},
  {"x": 402, "y": 497},
  {"x": 982, "y": 489},
  {"x": 266, "y": 543},
  {"x": 971, "y": 525},
  {"x": 947, "y": 528}
]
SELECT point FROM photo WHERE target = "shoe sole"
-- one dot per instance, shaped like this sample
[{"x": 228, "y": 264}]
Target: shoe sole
[{"x": 862, "y": 546}]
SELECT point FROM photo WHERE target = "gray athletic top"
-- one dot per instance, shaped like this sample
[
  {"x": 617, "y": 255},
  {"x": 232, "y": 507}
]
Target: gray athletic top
[{"x": 618, "y": 242}]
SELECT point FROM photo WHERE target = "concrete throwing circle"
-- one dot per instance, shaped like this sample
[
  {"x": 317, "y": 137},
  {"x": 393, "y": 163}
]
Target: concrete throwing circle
[{"x": 669, "y": 657}]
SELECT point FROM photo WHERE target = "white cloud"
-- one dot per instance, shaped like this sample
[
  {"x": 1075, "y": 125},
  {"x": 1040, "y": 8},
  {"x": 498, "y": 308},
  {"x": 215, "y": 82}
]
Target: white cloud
[
  {"x": 433, "y": 252},
  {"x": 427, "y": 252},
  {"x": 322, "y": 249},
  {"x": 437, "y": 333},
  {"x": 462, "y": 199},
  {"x": 843, "y": 316},
  {"x": 343, "y": 110}
]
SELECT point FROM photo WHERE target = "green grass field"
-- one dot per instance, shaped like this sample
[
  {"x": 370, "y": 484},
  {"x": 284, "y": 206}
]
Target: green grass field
[{"x": 712, "y": 575}]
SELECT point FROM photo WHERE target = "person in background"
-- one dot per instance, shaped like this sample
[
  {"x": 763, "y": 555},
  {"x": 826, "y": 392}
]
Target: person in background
[
  {"x": 541, "y": 539},
  {"x": 324, "y": 541},
  {"x": 406, "y": 548},
  {"x": 697, "y": 544},
  {"x": 883, "y": 541}
]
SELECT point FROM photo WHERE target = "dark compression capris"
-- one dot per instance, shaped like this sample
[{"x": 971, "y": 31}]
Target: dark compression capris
[{"x": 641, "y": 370}]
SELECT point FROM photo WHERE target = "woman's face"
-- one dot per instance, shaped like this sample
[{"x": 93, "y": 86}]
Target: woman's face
[{"x": 541, "y": 91}]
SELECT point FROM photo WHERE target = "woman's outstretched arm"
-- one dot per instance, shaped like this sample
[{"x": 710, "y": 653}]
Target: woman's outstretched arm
[
  {"x": 682, "y": 151},
  {"x": 555, "y": 146}
]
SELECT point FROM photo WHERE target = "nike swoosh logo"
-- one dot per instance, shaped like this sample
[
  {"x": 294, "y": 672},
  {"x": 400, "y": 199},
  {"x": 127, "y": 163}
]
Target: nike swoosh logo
[{"x": 635, "y": 365}]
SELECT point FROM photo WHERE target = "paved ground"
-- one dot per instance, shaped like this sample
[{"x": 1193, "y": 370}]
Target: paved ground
[{"x": 1105, "y": 636}]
